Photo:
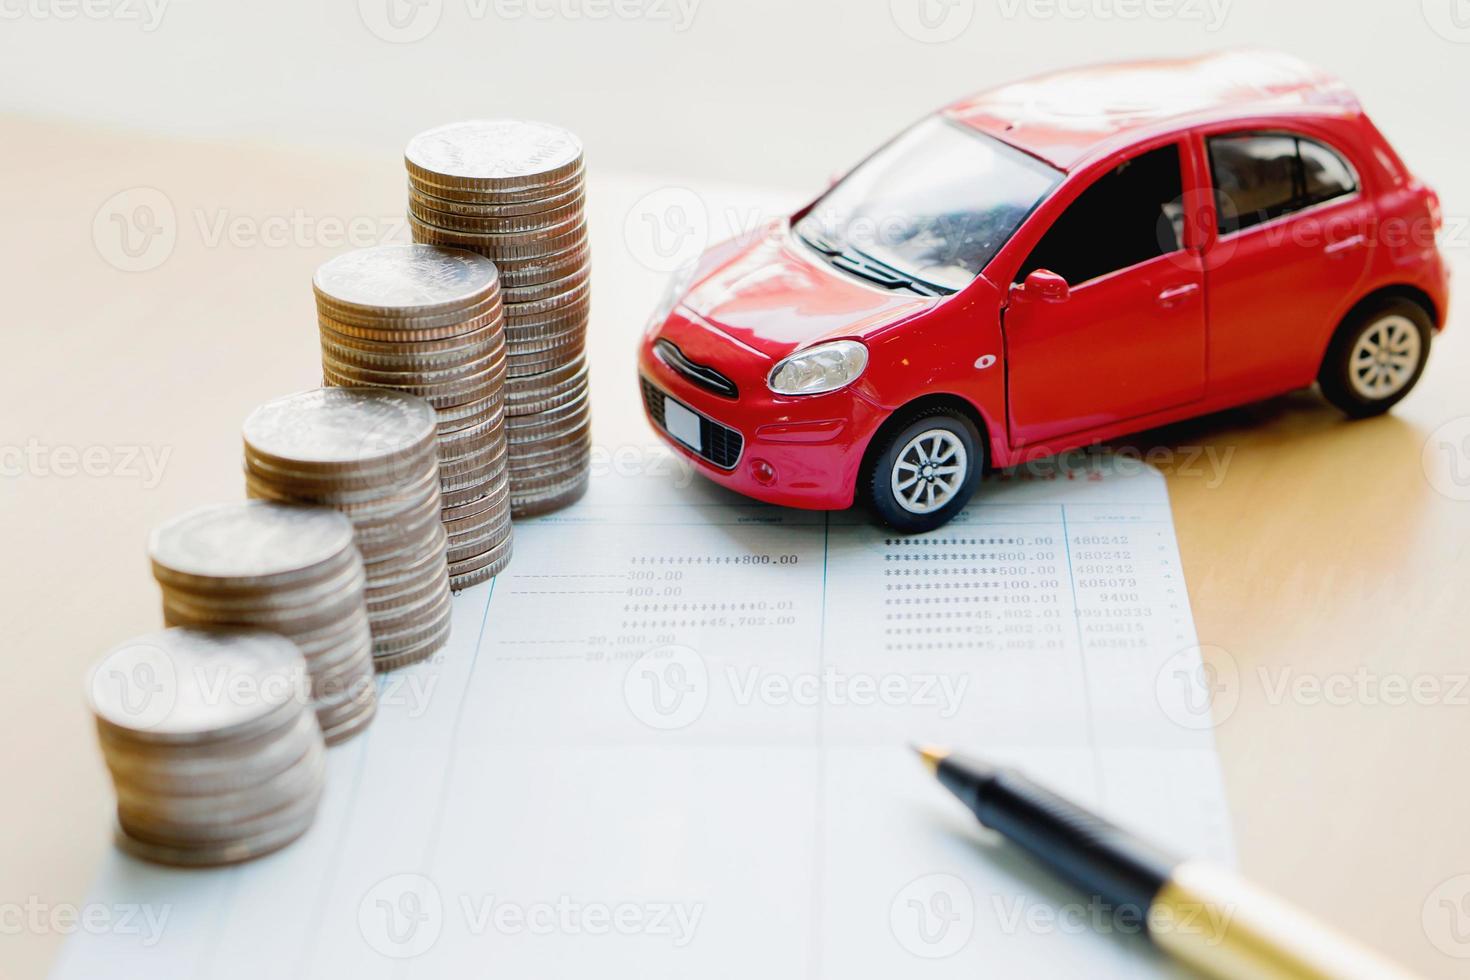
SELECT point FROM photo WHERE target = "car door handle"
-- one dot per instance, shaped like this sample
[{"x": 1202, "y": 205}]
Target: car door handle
[
  {"x": 1344, "y": 246},
  {"x": 1176, "y": 295}
]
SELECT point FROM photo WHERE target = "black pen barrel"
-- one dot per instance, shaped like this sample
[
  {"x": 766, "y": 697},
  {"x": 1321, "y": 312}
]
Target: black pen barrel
[{"x": 1108, "y": 864}]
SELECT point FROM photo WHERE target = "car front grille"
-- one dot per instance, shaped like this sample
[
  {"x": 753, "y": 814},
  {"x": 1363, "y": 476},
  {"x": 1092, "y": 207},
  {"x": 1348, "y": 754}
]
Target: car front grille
[
  {"x": 720, "y": 444},
  {"x": 701, "y": 374}
]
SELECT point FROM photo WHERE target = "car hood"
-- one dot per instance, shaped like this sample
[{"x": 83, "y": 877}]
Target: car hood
[{"x": 775, "y": 295}]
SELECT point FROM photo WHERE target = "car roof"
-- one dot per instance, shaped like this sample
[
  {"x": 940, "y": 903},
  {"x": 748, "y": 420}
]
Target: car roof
[{"x": 1068, "y": 117}]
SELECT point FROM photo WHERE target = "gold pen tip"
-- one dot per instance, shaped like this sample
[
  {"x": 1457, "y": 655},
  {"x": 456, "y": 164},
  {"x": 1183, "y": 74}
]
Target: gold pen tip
[{"x": 931, "y": 755}]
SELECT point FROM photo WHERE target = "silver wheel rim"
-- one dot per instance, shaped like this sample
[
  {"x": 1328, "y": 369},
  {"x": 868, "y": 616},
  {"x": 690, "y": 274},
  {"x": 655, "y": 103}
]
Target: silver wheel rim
[
  {"x": 1384, "y": 358},
  {"x": 929, "y": 471}
]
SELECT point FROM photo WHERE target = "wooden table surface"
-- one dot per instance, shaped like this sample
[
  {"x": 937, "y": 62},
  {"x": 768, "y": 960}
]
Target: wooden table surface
[{"x": 1327, "y": 565}]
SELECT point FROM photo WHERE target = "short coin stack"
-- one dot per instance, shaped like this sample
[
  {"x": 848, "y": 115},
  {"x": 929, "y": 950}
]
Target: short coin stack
[
  {"x": 372, "y": 454},
  {"x": 214, "y": 751},
  {"x": 292, "y": 570},
  {"x": 514, "y": 192},
  {"x": 427, "y": 320}
]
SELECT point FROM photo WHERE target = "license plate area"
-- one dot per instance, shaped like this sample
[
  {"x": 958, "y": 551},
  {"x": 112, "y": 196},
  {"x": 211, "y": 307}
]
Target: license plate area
[{"x": 682, "y": 424}]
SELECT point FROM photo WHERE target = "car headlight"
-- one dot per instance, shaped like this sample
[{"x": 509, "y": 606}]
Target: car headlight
[
  {"x": 677, "y": 285},
  {"x": 826, "y": 367}
]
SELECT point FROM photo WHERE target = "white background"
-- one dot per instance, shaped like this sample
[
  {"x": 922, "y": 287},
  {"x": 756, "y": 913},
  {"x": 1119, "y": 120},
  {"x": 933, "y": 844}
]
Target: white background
[{"x": 772, "y": 92}]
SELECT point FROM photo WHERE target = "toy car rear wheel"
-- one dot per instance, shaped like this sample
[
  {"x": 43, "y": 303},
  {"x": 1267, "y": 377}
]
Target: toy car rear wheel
[
  {"x": 924, "y": 469},
  {"x": 1376, "y": 357}
]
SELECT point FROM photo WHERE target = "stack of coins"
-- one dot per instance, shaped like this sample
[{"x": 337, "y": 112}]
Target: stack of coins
[
  {"x": 514, "y": 192},
  {"x": 292, "y": 570},
  {"x": 372, "y": 454},
  {"x": 427, "y": 320},
  {"x": 215, "y": 754}
]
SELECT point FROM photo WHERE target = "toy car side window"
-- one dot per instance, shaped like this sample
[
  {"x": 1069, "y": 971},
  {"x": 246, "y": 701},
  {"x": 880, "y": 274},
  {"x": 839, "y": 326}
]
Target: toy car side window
[
  {"x": 1262, "y": 176},
  {"x": 1128, "y": 215},
  {"x": 1326, "y": 174}
]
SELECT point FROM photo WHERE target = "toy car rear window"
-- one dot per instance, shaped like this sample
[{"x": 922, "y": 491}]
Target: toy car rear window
[{"x": 1262, "y": 176}]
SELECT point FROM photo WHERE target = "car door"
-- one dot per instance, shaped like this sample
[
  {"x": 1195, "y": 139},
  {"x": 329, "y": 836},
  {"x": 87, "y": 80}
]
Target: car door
[
  {"x": 1293, "y": 242},
  {"x": 1128, "y": 339}
]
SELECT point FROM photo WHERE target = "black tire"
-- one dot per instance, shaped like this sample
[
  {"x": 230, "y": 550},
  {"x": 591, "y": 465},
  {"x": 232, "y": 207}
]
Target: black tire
[
  {"x": 876, "y": 481},
  {"x": 1346, "y": 377}
]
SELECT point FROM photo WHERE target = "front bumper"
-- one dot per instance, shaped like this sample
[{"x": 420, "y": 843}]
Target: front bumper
[{"x": 796, "y": 452}]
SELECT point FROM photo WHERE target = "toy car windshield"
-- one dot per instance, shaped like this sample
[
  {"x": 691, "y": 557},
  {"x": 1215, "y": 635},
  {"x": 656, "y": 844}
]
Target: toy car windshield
[{"x": 929, "y": 210}]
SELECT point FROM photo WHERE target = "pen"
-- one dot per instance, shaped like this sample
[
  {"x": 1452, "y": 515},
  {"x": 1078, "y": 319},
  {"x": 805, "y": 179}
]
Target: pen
[{"x": 1197, "y": 913}]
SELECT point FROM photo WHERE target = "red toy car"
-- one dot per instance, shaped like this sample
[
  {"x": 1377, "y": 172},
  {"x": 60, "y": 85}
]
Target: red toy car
[{"x": 1046, "y": 265}]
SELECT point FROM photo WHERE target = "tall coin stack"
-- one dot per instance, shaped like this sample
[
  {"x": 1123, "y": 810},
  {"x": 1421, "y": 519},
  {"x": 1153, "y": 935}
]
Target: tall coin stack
[
  {"x": 372, "y": 454},
  {"x": 288, "y": 569},
  {"x": 427, "y": 320},
  {"x": 514, "y": 192},
  {"x": 215, "y": 754}
]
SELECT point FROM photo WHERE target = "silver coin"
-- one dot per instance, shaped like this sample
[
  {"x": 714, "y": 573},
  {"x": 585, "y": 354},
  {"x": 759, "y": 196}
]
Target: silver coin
[
  {"x": 202, "y": 832},
  {"x": 534, "y": 505},
  {"x": 549, "y": 199},
  {"x": 536, "y": 247},
  {"x": 478, "y": 539},
  {"x": 461, "y": 442},
  {"x": 476, "y": 460},
  {"x": 531, "y": 190},
  {"x": 405, "y": 280},
  {"x": 476, "y": 486},
  {"x": 186, "y": 771},
  {"x": 367, "y": 482},
  {"x": 247, "y": 543},
  {"x": 480, "y": 545},
  {"x": 387, "y": 524},
  {"x": 273, "y": 791},
  {"x": 344, "y": 729},
  {"x": 383, "y": 327},
  {"x": 495, "y": 557},
  {"x": 415, "y": 357},
  {"x": 335, "y": 429},
  {"x": 213, "y": 854},
  {"x": 479, "y": 576},
  {"x": 391, "y": 541},
  {"x": 390, "y": 562},
  {"x": 528, "y": 295},
  {"x": 575, "y": 293},
  {"x": 347, "y": 691},
  {"x": 404, "y": 376},
  {"x": 494, "y": 517},
  {"x": 410, "y": 631},
  {"x": 402, "y": 590},
  {"x": 496, "y": 225},
  {"x": 543, "y": 483},
  {"x": 521, "y": 365},
  {"x": 411, "y": 592},
  {"x": 359, "y": 500},
  {"x": 548, "y": 398},
  {"x": 289, "y": 623},
  {"x": 191, "y": 685},
  {"x": 422, "y": 650},
  {"x": 534, "y": 271},
  {"x": 438, "y": 394},
  {"x": 474, "y": 507},
  {"x": 333, "y": 594},
  {"x": 340, "y": 725},
  {"x": 453, "y": 418},
  {"x": 493, "y": 153},
  {"x": 328, "y": 656}
]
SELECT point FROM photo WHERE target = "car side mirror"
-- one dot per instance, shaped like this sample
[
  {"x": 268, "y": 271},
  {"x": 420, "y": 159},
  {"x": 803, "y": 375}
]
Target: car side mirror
[{"x": 1044, "y": 286}]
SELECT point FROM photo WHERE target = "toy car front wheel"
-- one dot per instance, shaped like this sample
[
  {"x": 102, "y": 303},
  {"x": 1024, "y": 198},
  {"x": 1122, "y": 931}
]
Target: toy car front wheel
[
  {"x": 1376, "y": 357},
  {"x": 924, "y": 471}
]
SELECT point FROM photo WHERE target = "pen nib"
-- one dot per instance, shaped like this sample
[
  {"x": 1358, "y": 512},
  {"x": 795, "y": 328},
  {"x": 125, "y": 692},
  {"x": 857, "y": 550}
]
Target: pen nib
[{"x": 930, "y": 754}]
